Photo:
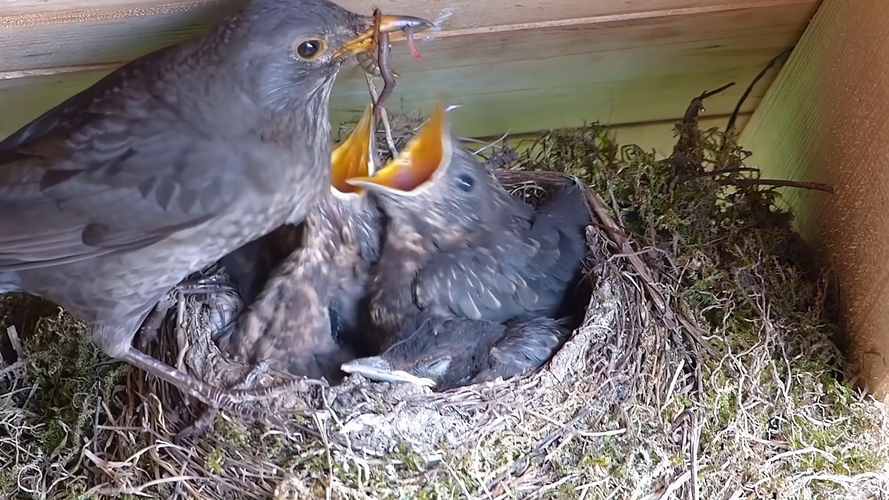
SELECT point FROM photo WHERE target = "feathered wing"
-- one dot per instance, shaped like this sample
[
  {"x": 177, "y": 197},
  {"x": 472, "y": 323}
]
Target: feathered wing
[
  {"x": 515, "y": 273},
  {"x": 525, "y": 346},
  {"x": 97, "y": 174},
  {"x": 492, "y": 282},
  {"x": 562, "y": 222}
]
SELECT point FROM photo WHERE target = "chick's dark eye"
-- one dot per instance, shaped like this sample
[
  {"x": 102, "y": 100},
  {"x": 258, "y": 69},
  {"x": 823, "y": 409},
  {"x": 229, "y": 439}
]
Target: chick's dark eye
[
  {"x": 310, "y": 49},
  {"x": 465, "y": 182}
]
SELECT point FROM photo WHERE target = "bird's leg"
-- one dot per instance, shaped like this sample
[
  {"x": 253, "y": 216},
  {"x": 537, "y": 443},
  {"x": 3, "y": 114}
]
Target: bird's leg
[
  {"x": 199, "y": 427},
  {"x": 151, "y": 325},
  {"x": 207, "y": 418}
]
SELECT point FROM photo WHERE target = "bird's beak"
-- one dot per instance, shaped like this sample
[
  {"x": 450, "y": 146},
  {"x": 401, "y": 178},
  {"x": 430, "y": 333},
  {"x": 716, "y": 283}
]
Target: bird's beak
[
  {"x": 397, "y": 26},
  {"x": 354, "y": 156},
  {"x": 377, "y": 368},
  {"x": 417, "y": 163}
]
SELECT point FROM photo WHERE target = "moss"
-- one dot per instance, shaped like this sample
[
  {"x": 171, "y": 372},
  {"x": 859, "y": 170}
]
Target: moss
[
  {"x": 428, "y": 493},
  {"x": 215, "y": 461},
  {"x": 861, "y": 461},
  {"x": 274, "y": 446},
  {"x": 566, "y": 491},
  {"x": 600, "y": 461},
  {"x": 8, "y": 479},
  {"x": 233, "y": 432},
  {"x": 835, "y": 455},
  {"x": 409, "y": 459},
  {"x": 727, "y": 408}
]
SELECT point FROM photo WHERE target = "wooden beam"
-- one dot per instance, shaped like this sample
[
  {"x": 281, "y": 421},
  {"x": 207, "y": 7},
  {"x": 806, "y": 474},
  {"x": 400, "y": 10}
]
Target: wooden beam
[
  {"x": 458, "y": 14},
  {"x": 114, "y": 35},
  {"x": 825, "y": 120},
  {"x": 617, "y": 68}
]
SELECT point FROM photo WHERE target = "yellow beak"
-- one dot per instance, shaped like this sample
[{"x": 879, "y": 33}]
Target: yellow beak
[
  {"x": 354, "y": 157},
  {"x": 418, "y": 162}
]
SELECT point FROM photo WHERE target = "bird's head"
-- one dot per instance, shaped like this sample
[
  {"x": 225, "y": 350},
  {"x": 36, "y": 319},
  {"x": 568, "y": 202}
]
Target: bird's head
[
  {"x": 434, "y": 186},
  {"x": 441, "y": 353},
  {"x": 293, "y": 49}
]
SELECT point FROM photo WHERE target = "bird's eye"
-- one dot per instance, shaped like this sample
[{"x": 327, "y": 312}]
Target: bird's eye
[
  {"x": 465, "y": 182},
  {"x": 310, "y": 49}
]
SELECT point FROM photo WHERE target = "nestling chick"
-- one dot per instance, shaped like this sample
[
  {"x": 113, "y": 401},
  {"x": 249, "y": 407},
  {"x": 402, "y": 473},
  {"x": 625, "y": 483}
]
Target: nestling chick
[
  {"x": 458, "y": 245},
  {"x": 311, "y": 310},
  {"x": 447, "y": 353}
]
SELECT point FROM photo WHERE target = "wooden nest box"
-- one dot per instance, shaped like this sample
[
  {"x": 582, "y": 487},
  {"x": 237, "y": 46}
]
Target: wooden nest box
[{"x": 528, "y": 66}]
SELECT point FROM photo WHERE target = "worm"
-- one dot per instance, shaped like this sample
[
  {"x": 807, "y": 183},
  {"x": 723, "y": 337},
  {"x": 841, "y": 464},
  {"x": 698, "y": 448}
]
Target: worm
[{"x": 383, "y": 48}]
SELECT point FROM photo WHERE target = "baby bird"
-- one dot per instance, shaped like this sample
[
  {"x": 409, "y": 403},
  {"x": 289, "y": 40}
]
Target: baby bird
[
  {"x": 458, "y": 245},
  {"x": 448, "y": 353},
  {"x": 312, "y": 307}
]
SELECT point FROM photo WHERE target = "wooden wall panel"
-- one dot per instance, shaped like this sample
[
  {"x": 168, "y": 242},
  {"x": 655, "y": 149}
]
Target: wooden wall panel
[
  {"x": 514, "y": 66},
  {"x": 117, "y": 31},
  {"x": 825, "y": 120}
]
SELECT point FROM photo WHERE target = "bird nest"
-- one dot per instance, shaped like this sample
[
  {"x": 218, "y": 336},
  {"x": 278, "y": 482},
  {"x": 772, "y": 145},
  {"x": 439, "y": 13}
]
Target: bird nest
[{"x": 705, "y": 367}]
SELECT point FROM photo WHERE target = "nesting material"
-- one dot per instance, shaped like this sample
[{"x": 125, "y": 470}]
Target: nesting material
[{"x": 704, "y": 368}]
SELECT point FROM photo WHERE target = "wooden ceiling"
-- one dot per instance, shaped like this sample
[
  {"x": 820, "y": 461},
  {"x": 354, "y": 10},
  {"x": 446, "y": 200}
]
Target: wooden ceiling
[{"x": 517, "y": 66}]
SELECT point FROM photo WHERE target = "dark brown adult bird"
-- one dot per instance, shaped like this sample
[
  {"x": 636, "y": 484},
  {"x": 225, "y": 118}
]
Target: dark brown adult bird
[
  {"x": 309, "y": 317},
  {"x": 172, "y": 161},
  {"x": 458, "y": 245}
]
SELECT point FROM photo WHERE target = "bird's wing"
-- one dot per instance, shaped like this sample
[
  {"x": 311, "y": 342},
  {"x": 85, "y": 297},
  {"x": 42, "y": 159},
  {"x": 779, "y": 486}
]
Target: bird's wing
[
  {"x": 525, "y": 346},
  {"x": 491, "y": 282},
  {"x": 97, "y": 175},
  {"x": 514, "y": 273},
  {"x": 560, "y": 228}
]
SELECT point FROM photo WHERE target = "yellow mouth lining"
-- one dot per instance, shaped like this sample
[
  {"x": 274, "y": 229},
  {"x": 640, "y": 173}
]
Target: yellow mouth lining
[
  {"x": 353, "y": 158},
  {"x": 417, "y": 163}
]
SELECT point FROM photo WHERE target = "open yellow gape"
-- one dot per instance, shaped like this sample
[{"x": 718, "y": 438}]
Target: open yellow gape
[
  {"x": 419, "y": 161},
  {"x": 354, "y": 157}
]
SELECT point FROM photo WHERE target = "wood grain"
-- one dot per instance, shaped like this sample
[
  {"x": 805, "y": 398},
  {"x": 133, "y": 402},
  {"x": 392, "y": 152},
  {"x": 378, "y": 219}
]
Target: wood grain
[
  {"x": 527, "y": 78},
  {"x": 824, "y": 120},
  {"x": 115, "y": 32},
  {"x": 460, "y": 13}
]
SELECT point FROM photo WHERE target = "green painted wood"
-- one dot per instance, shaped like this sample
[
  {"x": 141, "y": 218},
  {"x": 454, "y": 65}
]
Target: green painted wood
[
  {"x": 824, "y": 120},
  {"x": 519, "y": 111},
  {"x": 44, "y": 34},
  {"x": 783, "y": 133},
  {"x": 635, "y": 67}
]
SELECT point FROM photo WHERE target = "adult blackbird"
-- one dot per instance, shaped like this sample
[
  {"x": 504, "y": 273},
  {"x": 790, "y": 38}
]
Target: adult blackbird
[
  {"x": 306, "y": 319},
  {"x": 171, "y": 162},
  {"x": 458, "y": 245},
  {"x": 445, "y": 353}
]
